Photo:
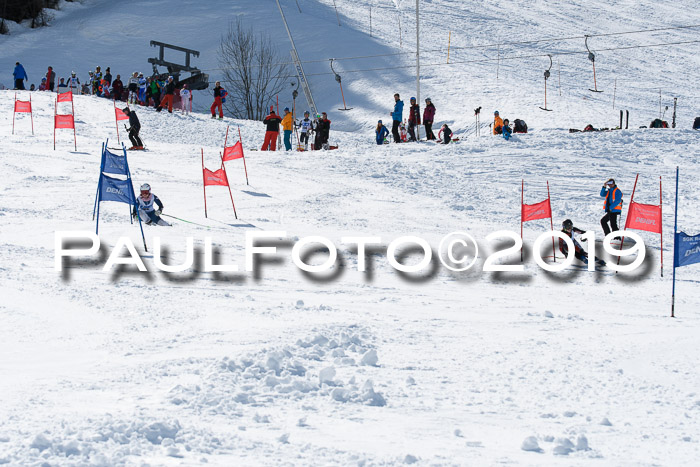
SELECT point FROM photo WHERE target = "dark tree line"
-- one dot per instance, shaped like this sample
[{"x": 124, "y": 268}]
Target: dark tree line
[{"x": 19, "y": 10}]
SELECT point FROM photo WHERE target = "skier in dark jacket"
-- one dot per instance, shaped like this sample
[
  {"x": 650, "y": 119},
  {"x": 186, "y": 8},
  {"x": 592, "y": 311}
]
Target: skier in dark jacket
[
  {"x": 272, "y": 122},
  {"x": 50, "y": 79},
  {"x": 118, "y": 88},
  {"x": 217, "y": 104},
  {"x": 413, "y": 119},
  {"x": 20, "y": 76},
  {"x": 580, "y": 254},
  {"x": 397, "y": 116},
  {"x": 428, "y": 118},
  {"x": 323, "y": 129},
  {"x": 135, "y": 127},
  {"x": 446, "y": 134}
]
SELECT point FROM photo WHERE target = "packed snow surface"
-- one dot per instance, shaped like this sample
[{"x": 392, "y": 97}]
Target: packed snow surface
[{"x": 283, "y": 367}]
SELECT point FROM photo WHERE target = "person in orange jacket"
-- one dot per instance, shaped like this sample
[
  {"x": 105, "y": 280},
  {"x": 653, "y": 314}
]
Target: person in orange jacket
[
  {"x": 287, "y": 128},
  {"x": 272, "y": 122},
  {"x": 497, "y": 123}
]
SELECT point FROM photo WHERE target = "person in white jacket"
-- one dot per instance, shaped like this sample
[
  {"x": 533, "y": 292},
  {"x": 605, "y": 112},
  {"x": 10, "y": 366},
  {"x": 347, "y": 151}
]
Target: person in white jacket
[
  {"x": 185, "y": 100},
  {"x": 133, "y": 87}
]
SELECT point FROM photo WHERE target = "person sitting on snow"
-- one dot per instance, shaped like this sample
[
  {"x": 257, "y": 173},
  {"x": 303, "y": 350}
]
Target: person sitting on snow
[
  {"x": 579, "y": 253},
  {"x": 506, "y": 130},
  {"x": 497, "y": 123},
  {"x": 446, "y": 133},
  {"x": 145, "y": 207}
]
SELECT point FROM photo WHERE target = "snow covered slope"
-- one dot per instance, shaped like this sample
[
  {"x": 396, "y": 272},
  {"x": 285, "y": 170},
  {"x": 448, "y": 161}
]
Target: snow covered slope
[{"x": 476, "y": 368}]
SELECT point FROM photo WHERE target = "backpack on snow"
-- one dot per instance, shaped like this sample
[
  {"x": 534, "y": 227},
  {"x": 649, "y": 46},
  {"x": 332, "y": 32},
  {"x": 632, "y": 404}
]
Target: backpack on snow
[
  {"x": 658, "y": 123},
  {"x": 696, "y": 123},
  {"x": 519, "y": 126}
]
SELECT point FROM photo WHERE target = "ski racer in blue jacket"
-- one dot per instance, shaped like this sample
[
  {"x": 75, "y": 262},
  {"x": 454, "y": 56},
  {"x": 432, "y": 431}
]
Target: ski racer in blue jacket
[
  {"x": 145, "y": 205},
  {"x": 397, "y": 115},
  {"x": 20, "y": 76},
  {"x": 612, "y": 205}
]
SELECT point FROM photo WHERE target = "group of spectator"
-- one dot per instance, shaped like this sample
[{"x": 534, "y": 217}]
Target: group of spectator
[{"x": 149, "y": 92}]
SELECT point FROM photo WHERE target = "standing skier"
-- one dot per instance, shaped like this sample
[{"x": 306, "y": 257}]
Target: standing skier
[
  {"x": 133, "y": 87},
  {"x": 155, "y": 92},
  {"x": 135, "y": 127},
  {"x": 323, "y": 130},
  {"x": 397, "y": 115},
  {"x": 118, "y": 88},
  {"x": 20, "y": 76},
  {"x": 142, "y": 89},
  {"x": 145, "y": 206},
  {"x": 168, "y": 97},
  {"x": 612, "y": 205},
  {"x": 307, "y": 127},
  {"x": 185, "y": 99},
  {"x": 428, "y": 118},
  {"x": 217, "y": 104},
  {"x": 74, "y": 83},
  {"x": 381, "y": 132},
  {"x": 272, "y": 122},
  {"x": 413, "y": 119},
  {"x": 287, "y": 128},
  {"x": 580, "y": 254}
]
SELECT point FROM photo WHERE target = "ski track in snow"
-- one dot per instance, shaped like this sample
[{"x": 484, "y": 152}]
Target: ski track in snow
[{"x": 119, "y": 368}]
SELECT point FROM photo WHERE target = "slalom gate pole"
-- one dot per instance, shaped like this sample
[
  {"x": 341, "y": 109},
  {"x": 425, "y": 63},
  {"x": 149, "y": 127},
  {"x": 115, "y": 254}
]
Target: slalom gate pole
[
  {"x": 229, "y": 187},
  {"x": 138, "y": 216},
  {"x": 54, "y": 125},
  {"x": 675, "y": 230},
  {"x": 522, "y": 200},
  {"x": 204, "y": 185},
  {"x": 31, "y": 113},
  {"x": 661, "y": 215},
  {"x": 449, "y": 39},
  {"x": 14, "y": 108},
  {"x": 102, "y": 165},
  {"x": 244, "y": 165},
  {"x": 622, "y": 242},
  {"x": 551, "y": 221},
  {"x": 225, "y": 139},
  {"x": 116, "y": 122}
]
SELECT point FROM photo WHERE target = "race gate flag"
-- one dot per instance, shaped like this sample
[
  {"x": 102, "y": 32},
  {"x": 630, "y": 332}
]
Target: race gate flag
[
  {"x": 235, "y": 152},
  {"x": 23, "y": 107},
  {"x": 686, "y": 250},
  {"x": 647, "y": 217},
  {"x": 215, "y": 178},
  {"x": 64, "y": 120},
  {"x": 113, "y": 188},
  {"x": 533, "y": 212},
  {"x": 118, "y": 115}
]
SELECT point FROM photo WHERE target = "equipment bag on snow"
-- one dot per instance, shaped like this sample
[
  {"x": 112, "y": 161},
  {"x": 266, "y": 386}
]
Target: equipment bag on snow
[
  {"x": 696, "y": 123},
  {"x": 519, "y": 126},
  {"x": 658, "y": 123}
]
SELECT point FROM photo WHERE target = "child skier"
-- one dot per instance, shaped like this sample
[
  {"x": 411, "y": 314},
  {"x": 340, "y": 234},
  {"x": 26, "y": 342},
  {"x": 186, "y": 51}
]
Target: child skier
[
  {"x": 580, "y": 254},
  {"x": 146, "y": 210},
  {"x": 381, "y": 132},
  {"x": 446, "y": 133},
  {"x": 507, "y": 130},
  {"x": 74, "y": 83},
  {"x": 497, "y": 123},
  {"x": 307, "y": 127}
]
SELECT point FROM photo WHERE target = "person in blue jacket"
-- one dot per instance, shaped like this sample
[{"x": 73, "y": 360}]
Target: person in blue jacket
[
  {"x": 612, "y": 205},
  {"x": 397, "y": 115},
  {"x": 507, "y": 131},
  {"x": 381, "y": 132},
  {"x": 20, "y": 76}
]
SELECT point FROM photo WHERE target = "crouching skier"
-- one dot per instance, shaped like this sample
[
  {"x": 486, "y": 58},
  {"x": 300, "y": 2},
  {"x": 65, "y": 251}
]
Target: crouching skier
[
  {"x": 579, "y": 252},
  {"x": 146, "y": 211}
]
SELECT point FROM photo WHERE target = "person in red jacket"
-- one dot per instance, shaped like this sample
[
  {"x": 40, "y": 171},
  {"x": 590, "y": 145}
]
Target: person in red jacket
[
  {"x": 428, "y": 118},
  {"x": 217, "y": 102},
  {"x": 117, "y": 88},
  {"x": 50, "y": 79},
  {"x": 413, "y": 119},
  {"x": 272, "y": 122}
]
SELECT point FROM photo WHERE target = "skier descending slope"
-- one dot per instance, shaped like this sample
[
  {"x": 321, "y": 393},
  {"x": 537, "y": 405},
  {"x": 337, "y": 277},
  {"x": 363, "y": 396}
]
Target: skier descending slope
[
  {"x": 579, "y": 253},
  {"x": 145, "y": 205},
  {"x": 134, "y": 130}
]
